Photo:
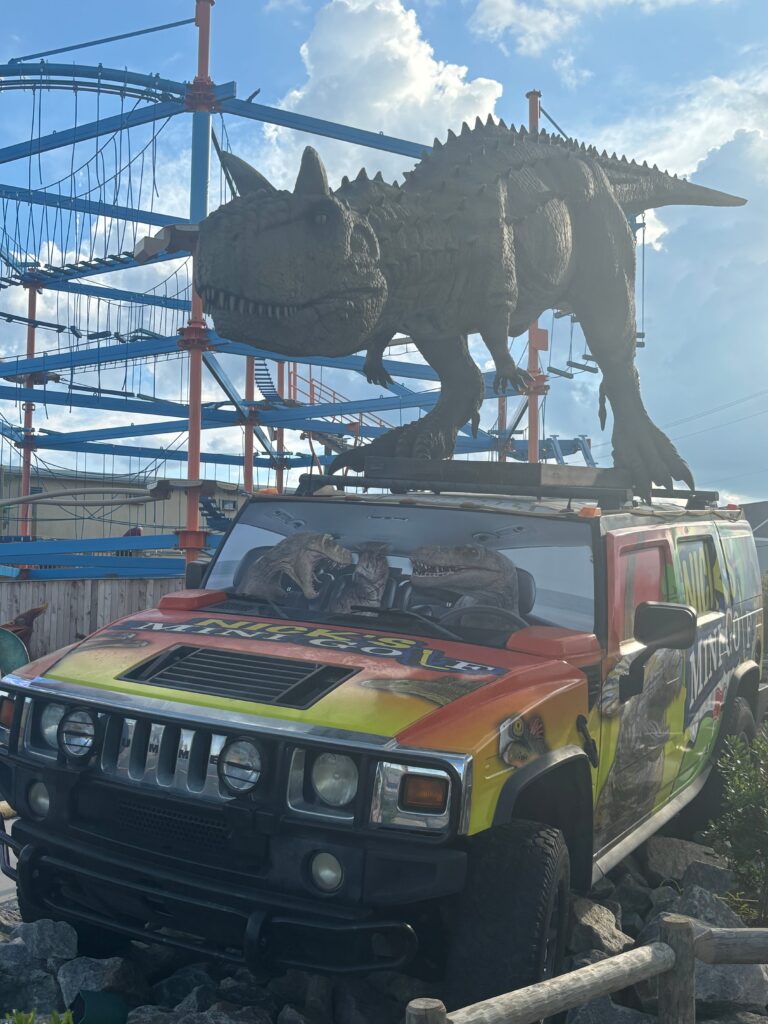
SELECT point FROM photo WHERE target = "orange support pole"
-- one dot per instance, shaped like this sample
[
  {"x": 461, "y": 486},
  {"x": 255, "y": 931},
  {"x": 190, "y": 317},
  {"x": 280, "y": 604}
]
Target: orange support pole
[
  {"x": 203, "y": 22},
  {"x": 248, "y": 441},
  {"x": 29, "y": 408},
  {"x": 194, "y": 339},
  {"x": 279, "y": 472},
  {"x": 537, "y": 338}
]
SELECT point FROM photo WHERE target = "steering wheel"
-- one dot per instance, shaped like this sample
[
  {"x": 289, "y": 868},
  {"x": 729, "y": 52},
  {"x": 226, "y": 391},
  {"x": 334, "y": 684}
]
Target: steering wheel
[{"x": 513, "y": 619}]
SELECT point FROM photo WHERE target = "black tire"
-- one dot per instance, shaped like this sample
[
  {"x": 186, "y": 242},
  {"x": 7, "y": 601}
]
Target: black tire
[
  {"x": 99, "y": 943},
  {"x": 507, "y": 929},
  {"x": 707, "y": 806}
]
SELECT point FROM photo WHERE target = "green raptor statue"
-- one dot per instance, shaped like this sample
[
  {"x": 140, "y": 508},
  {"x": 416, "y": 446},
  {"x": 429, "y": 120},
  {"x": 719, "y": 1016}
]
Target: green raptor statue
[{"x": 490, "y": 229}]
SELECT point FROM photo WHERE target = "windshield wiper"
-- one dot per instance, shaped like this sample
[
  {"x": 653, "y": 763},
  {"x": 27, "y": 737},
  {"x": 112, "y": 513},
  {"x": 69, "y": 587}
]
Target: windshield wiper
[
  {"x": 279, "y": 613},
  {"x": 372, "y": 611}
]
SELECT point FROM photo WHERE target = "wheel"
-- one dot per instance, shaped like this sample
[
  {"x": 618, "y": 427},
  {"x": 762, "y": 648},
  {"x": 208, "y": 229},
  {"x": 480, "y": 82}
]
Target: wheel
[
  {"x": 91, "y": 940},
  {"x": 707, "y": 806},
  {"x": 507, "y": 929}
]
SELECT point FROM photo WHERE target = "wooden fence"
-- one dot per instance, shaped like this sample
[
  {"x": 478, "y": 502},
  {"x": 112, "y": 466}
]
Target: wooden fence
[
  {"x": 78, "y": 606},
  {"x": 672, "y": 960}
]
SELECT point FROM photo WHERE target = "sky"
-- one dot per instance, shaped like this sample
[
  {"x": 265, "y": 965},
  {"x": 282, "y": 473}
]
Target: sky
[{"x": 681, "y": 83}]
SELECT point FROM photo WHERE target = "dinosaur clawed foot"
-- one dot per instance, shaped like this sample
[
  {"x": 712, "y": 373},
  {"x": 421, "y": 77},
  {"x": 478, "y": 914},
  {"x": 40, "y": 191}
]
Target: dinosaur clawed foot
[
  {"x": 645, "y": 452},
  {"x": 430, "y": 438},
  {"x": 374, "y": 371},
  {"x": 511, "y": 376}
]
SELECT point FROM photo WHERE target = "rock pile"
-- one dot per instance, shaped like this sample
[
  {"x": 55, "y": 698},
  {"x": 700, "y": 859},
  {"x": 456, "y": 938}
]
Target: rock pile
[
  {"x": 40, "y": 968},
  {"x": 665, "y": 876}
]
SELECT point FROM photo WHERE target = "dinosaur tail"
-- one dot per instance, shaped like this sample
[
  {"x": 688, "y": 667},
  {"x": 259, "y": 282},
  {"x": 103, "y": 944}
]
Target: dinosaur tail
[{"x": 647, "y": 188}]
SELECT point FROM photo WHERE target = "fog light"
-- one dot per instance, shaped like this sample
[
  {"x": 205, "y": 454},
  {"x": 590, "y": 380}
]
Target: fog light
[
  {"x": 39, "y": 799},
  {"x": 327, "y": 872},
  {"x": 77, "y": 734}
]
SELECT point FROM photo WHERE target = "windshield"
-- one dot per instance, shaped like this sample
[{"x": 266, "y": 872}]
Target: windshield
[{"x": 465, "y": 574}]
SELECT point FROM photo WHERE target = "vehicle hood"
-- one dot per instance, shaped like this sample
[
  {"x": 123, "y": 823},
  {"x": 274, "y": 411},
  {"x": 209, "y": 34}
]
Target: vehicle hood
[{"x": 394, "y": 681}]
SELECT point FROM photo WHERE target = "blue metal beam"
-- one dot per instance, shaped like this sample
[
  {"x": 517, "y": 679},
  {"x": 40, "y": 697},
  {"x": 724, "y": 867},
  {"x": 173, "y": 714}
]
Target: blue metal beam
[
  {"x": 120, "y": 76},
  {"x": 330, "y": 129},
  {"x": 137, "y": 568},
  {"x": 105, "y": 39},
  {"x": 94, "y": 355},
  {"x": 80, "y": 401},
  {"x": 115, "y": 294},
  {"x": 92, "y": 130},
  {"x": 152, "y": 542},
  {"x": 174, "y": 455},
  {"x": 221, "y": 377},
  {"x": 39, "y": 198},
  {"x": 46, "y": 277}
]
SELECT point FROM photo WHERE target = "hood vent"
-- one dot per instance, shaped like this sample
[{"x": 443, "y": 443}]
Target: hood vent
[{"x": 282, "y": 682}]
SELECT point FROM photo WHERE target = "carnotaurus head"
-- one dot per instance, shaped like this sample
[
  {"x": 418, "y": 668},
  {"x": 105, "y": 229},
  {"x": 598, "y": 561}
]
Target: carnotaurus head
[
  {"x": 468, "y": 567},
  {"x": 290, "y": 271}
]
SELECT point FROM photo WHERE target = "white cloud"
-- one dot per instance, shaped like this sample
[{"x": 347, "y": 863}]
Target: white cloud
[
  {"x": 393, "y": 84},
  {"x": 538, "y": 26},
  {"x": 570, "y": 75}
]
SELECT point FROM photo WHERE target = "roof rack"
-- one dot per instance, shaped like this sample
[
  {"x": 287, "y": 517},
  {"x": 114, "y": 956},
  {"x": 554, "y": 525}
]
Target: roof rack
[{"x": 610, "y": 488}]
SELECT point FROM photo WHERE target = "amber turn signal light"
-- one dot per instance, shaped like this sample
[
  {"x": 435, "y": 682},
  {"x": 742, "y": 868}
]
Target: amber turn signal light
[
  {"x": 6, "y": 712},
  {"x": 424, "y": 793}
]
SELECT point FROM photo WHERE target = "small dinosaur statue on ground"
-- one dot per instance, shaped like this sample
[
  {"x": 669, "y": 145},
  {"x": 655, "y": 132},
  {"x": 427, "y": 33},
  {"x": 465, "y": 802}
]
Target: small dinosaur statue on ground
[
  {"x": 493, "y": 227},
  {"x": 479, "y": 574},
  {"x": 298, "y": 557}
]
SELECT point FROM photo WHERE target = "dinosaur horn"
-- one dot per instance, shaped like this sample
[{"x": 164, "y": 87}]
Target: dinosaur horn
[
  {"x": 312, "y": 179},
  {"x": 644, "y": 188},
  {"x": 246, "y": 178}
]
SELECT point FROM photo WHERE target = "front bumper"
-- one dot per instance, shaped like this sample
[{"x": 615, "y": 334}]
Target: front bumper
[{"x": 257, "y": 918}]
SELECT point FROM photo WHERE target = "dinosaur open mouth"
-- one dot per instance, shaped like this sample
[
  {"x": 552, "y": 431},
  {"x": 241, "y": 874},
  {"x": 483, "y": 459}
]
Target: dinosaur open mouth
[
  {"x": 216, "y": 299},
  {"x": 423, "y": 569}
]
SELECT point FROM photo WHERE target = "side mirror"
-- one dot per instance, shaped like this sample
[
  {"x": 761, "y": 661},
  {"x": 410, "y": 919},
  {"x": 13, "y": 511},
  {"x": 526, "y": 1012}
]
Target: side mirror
[
  {"x": 658, "y": 625},
  {"x": 194, "y": 573}
]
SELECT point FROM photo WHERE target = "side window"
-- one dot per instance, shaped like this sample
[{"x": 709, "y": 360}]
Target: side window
[
  {"x": 641, "y": 574},
  {"x": 701, "y": 577},
  {"x": 743, "y": 567}
]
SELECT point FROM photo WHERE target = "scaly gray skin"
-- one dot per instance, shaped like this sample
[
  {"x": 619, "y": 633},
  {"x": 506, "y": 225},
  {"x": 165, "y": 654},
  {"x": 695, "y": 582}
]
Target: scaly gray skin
[
  {"x": 298, "y": 556},
  {"x": 480, "y": 575},
  {"x": 367, "y": 583},
  {"x": 490, "y": 229}
]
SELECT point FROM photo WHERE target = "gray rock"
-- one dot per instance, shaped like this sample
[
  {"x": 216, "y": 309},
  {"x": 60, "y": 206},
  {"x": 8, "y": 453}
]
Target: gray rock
[
  {"x": 668, "y": 859},
  {"x": 113, "y": 975},
  {"x": 10, "y": 916},
  {"x": 714, "y": 877},
  {"x": 633, "y": 897},
  {"x": 705, "y": 906},
  {"x": 212, "y": 1016},
  {"x": 15, "y": 959},
  {"x": 290, "y": 1015},
  {"x": 594, "y": 927},
  {"x": 201, "y": 998},
  {"x": 48, "y": 940},
  {"x": 151, "y": 1015},
  {"x": 171, "y": 990},
  {"x": 37, "y": 990},
  {"x": 665, "y": 899},
  {"x": 632, "y": 924},
  {"x": 738, "y": 1017},
  {"x": 358, "y": 1002},
  {"x": 731, "y": 986},
  {"x": 604, "y": 1011},
  {"x": 318, "y": 1003},
  {"x": 245, "y": 989},
  {"x": 615, "y": 909},
  {"x": 602, "y": 889},
  {"x": 156, "y": 961},
  {"x": 400, "y": 987}
]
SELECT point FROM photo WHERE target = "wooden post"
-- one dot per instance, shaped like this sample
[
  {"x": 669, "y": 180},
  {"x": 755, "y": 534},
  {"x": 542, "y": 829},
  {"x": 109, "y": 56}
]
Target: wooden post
[
  {"x": 733, "y": 946},
  {"x": 425, "y": 1011},
  {"x": 677, "y": 988}
]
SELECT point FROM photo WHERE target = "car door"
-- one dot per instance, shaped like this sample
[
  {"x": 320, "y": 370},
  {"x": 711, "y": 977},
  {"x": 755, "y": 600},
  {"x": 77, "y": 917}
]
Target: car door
[{"x": 636, "y": 733}]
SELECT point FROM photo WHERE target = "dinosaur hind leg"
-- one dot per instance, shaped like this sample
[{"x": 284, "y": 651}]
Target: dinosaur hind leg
[
  {"x": 433, "y": 436},
  {"x": 639, "y": 447}
]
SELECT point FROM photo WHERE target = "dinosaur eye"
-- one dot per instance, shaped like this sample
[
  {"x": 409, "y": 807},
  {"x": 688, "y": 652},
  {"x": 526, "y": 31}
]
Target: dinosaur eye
[
  {"x": 321, "y": 218},
  {"x": 518, "y": 728}
]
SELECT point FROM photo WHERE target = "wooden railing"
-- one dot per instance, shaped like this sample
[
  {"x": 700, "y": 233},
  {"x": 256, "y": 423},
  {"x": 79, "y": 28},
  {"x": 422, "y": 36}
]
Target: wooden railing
[{"x": 671, "y": 960}]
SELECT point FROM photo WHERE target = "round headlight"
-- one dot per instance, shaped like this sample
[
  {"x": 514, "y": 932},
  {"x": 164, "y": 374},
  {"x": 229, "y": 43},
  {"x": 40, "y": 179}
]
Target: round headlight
[
  {"x": 334, "y": 779},
  {"x": 49, "y": 723},
  {"x": 39, "y": 799},
  {"x": 240, "y": 765},
  {"x": 77, "y": 734},
  {"x": 327, "y": 872}
]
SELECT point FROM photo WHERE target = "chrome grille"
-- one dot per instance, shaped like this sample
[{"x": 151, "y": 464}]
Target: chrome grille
[{"x": 167, "y": 756}]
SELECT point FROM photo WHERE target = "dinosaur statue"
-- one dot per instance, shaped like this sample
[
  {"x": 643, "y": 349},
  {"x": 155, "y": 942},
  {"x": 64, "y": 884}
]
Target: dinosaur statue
[
  {"x": 298, "y": 557},
  {"x": 491, "y": 228},
  {"x": 479, "y": 574},
  {"x": 367, "y": 583}
]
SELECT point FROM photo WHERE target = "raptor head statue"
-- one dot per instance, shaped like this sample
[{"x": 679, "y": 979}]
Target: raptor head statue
[{"x": 290, "y": 271}]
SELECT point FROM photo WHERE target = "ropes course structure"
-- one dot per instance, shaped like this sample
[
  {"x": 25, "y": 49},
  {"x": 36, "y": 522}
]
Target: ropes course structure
[{"x": 75, "y": 204}]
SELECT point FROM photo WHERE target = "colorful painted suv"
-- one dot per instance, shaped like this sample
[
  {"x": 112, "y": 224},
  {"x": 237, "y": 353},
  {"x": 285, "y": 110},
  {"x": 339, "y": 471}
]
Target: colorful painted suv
[{"x": 388, "y": 729}]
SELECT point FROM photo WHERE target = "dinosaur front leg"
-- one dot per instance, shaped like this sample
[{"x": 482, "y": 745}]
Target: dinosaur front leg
[
  {"x": 508, "y": 373},
  {"x": 433, "y": 436},
  {"x": 373, "y": 367},
  {"x": 602, "y": 297}
]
